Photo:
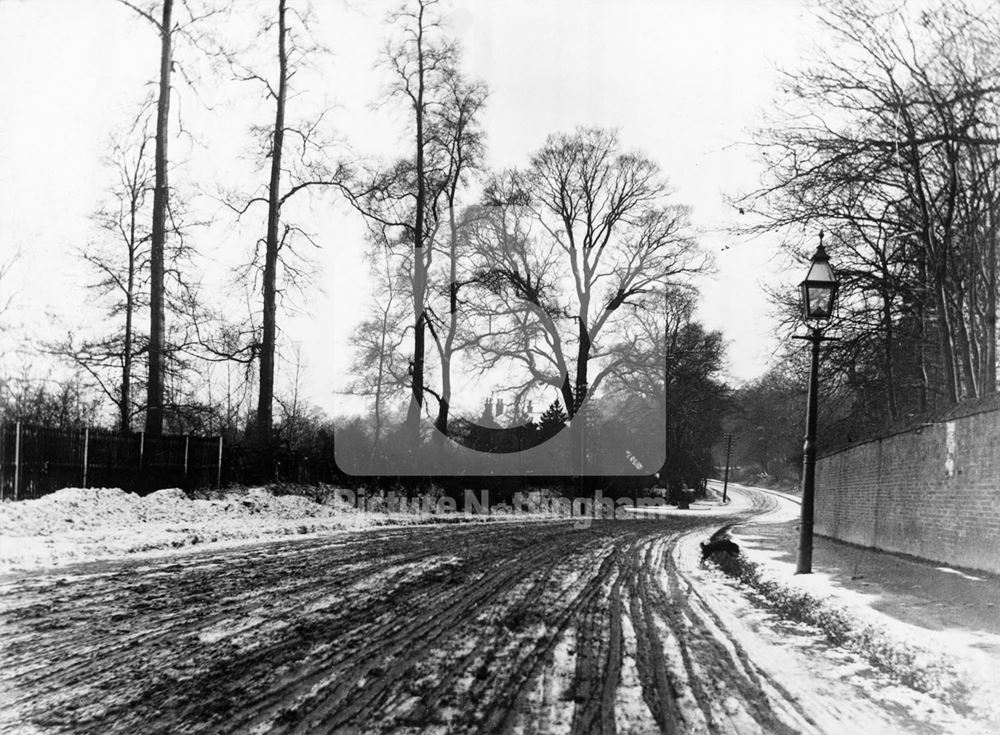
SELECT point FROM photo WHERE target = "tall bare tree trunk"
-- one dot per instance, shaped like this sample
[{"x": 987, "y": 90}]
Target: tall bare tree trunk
[
  {"x": 125, "y": 398},
  {"x": 448, "y": 351},
  {"x": 945, "y": 341},
  {"x": 989, "y": 381},
  {"x": 265, "y": 398},
  {"x": 419, "y": 269},
  {"x": 921, "y": 356},
  {"x": 161, "y": 194},
  {"x": 968, "y": 357},
  {"x": 990, "y": 234},
  {"x": 890, "y": 368},
  {"x": 582, "y": 361}
]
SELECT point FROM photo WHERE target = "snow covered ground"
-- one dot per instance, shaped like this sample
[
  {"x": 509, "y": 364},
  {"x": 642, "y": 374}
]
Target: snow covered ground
[
  {"x": 936, "y": 643},
  {"x": 723, "y": 652}
]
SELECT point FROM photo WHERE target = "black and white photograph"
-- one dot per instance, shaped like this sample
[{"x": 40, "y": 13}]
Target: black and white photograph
[{"x": 499, "y": 366}]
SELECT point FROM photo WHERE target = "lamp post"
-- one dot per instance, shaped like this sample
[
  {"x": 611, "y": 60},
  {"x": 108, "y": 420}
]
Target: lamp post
[{"x": 819, "y": 290}]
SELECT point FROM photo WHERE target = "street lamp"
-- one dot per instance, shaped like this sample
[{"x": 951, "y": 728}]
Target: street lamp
[{"x": 819, "y": 290}]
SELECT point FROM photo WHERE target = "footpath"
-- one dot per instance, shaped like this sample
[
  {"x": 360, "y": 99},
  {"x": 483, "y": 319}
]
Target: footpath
[{"x": 929, "y": 609}]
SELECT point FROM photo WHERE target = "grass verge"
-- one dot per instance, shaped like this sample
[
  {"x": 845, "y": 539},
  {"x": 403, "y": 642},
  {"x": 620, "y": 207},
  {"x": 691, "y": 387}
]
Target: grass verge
[{"x": 911, "y": 665}]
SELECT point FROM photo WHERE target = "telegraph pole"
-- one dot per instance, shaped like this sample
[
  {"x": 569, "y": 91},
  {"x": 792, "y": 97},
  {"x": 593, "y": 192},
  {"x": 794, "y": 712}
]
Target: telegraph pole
[{"x": 725, "y": 482}]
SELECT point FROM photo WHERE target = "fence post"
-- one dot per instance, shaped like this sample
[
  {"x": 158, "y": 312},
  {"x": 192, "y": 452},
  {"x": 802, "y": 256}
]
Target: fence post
[
  {"x": 187, "y": 444},
  {"x": 218, "y": 474},
  {"x": 17, "y": 458},
  {"x": 86, "y": 451},
  {"x": 142, "y": 457},
  {"x": 3, "y": 458}
]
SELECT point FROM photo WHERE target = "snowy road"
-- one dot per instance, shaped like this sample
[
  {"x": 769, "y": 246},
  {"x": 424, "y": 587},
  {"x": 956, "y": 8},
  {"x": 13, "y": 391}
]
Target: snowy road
[{"x": 482, "y": 628}]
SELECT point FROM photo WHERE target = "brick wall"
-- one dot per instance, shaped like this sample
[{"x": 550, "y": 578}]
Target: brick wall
[{"x": 932, "y": 492}]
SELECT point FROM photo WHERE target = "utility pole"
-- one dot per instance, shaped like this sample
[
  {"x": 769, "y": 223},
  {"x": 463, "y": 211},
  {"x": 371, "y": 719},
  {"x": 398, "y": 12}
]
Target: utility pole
[{"x": 725, "y": 482}]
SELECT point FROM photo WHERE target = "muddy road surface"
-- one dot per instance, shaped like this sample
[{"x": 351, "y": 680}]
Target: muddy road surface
[{"x": 507, "y": 627}]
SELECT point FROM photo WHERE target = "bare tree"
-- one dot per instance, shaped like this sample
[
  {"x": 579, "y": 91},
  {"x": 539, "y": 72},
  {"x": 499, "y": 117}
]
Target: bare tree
[
  {"x": 888, "y": 142},
  {"x": 58, "y": 403},
  {"x": 272, "y": 243},
  {"x": 279, "y": 265},
  {"x": 122, "y": 264},
  {"x": 168, "y": 27},
  {"x": 118, "y": 256},
  {"x": 293, "y": 404},
  {"x": 597, "y": 218},
  {"x": 379, "y": 366},
  {"x": 457, "y": 132},
  {"x": 413, "y": 59},
  {"x": 232, "y": 348},
  {"x": 408, "y": 195},
  {"x": 164, "y": 25}
]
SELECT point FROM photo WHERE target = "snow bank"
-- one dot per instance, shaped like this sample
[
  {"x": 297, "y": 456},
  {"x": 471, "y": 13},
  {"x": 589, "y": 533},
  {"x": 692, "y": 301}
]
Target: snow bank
[
  {"x": 83, "y": 524},
  {"x": 87, "y": 524},
  {"x": 952, "y": 663},
  {"x": 77, "y": 509},
  {"x": 808, "y": 600}
]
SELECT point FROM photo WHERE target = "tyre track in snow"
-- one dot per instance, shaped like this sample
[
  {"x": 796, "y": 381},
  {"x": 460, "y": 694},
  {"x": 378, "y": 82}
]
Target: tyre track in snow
[{"x": 508, "y": 628}]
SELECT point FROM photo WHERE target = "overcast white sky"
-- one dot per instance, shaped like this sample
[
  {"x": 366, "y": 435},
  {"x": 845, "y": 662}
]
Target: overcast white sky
[{"x": 684, "y": 80}]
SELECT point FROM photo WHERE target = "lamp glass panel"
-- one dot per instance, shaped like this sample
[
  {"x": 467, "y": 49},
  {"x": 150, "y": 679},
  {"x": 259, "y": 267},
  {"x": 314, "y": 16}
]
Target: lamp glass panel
[
  {"x": 820, "y": 272},
  {"x": 819, "y": 300}
]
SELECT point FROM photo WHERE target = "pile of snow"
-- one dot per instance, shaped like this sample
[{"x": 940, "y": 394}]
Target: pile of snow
[
  {"x": 82, "y": 524},
  {"x": 76, "y": 509}
]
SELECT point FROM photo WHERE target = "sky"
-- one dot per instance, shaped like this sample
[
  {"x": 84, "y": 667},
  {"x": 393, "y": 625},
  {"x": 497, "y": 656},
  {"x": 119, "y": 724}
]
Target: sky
[{"x": 684, "y": 81}]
